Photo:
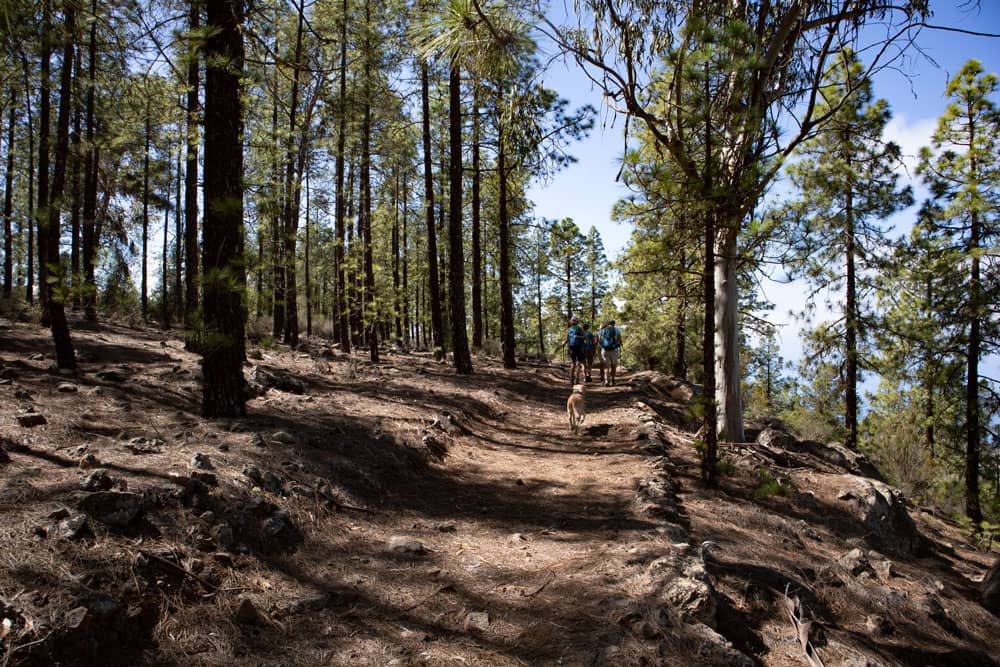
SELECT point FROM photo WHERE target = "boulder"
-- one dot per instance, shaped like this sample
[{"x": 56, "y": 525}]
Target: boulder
[
  {"x": 99, "y": 480},
  {"x": 773, "y": 438},
  {"x": 402, "y": 545},
  {"x": 70, "y": 528},
  {"x": 686, "y": 588},
  {"x": 272, "y": 378},
  {"x": 112, "y": 508},
  {"x": 855, "y": 562},
  {"x": 882, "y": 510}
]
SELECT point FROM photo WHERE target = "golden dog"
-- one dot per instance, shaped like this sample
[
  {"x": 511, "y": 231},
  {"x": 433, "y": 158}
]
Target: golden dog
[{"x": 576, "y": 407}]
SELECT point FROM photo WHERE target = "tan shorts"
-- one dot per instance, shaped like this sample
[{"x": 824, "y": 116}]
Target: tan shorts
[{"x": 610, "y": 357}]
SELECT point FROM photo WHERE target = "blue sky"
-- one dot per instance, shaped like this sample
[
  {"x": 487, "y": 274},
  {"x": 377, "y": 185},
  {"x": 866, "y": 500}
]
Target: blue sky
[{"x": 587, "y": 190}]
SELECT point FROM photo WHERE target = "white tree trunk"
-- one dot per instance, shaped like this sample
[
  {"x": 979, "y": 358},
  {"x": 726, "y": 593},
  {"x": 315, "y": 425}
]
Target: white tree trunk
[{"x": 728, "y": 391}]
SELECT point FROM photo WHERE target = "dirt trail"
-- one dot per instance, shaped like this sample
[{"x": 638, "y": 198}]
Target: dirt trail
[
  {"x": 529, "y": 529},
  {"x": 404, "y": 515},
  {"x": 521, "y": 545}
]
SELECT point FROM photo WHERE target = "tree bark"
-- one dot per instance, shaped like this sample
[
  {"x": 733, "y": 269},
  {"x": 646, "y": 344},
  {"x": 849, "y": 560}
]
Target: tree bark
[
  {"x": 32, "y": 209},
  {"x": 506, "y": 289},
  {"x": 397, "y": 314},
  {"x": 727, "y": 360},
  {"x": 456, "y": 256},
  {"x": 477, "y": 251},
  {"x": 165, "y": 275},
  {"x": 406, "y": 261},
  {"x": 973, "y": 418},
  {"x": 222, "y": 254},
  {"x": 191, "y": 250},
  {"x": 43, "y": 210},
  {"x": 291, "y": 194},
  {"x": 8, "y": 194},
  {"x": 851, "y": 330},
  {"x": 88, "y": 240},
  {"x": 307, "y": 277},
  {"x": 365, "y": 217},
  {"x": 65, "y": 355},
  {"x": 341, "y": 313},
  {"x": 144, "y": 294},
  {"x": 75, "y": 202},
  {"x": 434, "y": 286}
]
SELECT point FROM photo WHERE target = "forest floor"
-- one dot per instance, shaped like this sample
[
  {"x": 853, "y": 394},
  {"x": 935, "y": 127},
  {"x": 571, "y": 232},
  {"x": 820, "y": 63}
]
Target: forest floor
[{"x": 406, "y": 515}]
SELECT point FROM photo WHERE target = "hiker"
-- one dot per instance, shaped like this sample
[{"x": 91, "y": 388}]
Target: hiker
[
  {"x": 610, "y": 339},
  {"x": 589, "y": 351},
  {"x": 574, "y": 340}
]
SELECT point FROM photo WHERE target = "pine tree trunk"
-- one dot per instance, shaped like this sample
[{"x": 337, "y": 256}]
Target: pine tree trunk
[
  {"x": 973, "y": 416},
  {"x": 222, "y": 254},
  {"x": 365, "y": 222},
  {"x": 354, "y": 296},
  {"x": 75, "y": 203},
  {"x": 396, "y": 296},
  {"x": 8, "y": 202},
  {"x": 568, "y": 269},
  {"x": 165, "y": 273},
  {"x": 144, "y": 294},
  {"x": 88, "y": 240},
  {"x": 477, "y": 252},
  {"x": 179, "y": 234},
  {"x": 191, "y": 250},
  {"x": 709, "y": 426},
  {"x": 291, "y": 194},
  {"x": 341, "y": 308},
  {"x": 434, "y": 287},
  {"x": 42, "y": 211},
  {"x": 65, "y": 355},
  {"x": 679, "y": 369},
  {"x": 406, "y": 262},
  {"x": 456, "y": 255},
  {"x": 851, "y": 332},
  {"x": 727, "y": 389},
  {"x": 308, "y": 278},
  {"x": 506, "y": 289},
  {"x": 32, "y": 209},
  {"x": 277, "y": 244}
]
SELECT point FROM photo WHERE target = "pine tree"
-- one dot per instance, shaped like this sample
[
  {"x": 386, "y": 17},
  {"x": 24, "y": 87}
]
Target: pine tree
[
  {"x": 847, "y": 188},
  {"x": 596, "y": 263},
  {"x": 963, "y": 171},
  {"x": 566, "y": 252},
  {"x": 222, "y": 254},
  {"x": 730, "y": 71}
]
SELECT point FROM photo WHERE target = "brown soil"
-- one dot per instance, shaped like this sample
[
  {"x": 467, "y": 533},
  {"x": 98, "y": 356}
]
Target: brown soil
[{"x": 428, "y": 519}]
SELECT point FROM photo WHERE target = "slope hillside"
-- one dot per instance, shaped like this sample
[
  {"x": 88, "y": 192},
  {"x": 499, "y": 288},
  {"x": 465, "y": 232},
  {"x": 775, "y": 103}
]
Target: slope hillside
[{"x": 404, "y": 515}]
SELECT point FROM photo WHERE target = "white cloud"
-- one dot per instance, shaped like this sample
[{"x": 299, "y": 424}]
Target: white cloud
[{"x": 911, "y": 136}]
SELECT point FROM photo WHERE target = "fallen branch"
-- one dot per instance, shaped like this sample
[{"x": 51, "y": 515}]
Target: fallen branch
[
  {"x": 539, "y": 589},
  {"x": 793, "y": 607},
  {"x": 179, "y": 568}
]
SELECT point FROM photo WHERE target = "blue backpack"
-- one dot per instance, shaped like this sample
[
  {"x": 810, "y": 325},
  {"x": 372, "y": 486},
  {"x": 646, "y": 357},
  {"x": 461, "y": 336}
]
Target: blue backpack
[
  {"x": 589, "y": 340},
  {"x": 611, "y": 338},
  {"x": 575, "y": 336}
]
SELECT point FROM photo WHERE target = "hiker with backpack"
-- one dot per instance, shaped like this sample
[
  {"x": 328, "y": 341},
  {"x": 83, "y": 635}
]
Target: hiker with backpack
[
  {"x": 610, "y": 339},
  {"x": 589, "y": 351},
  {"x": 577, "y": 355}
]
